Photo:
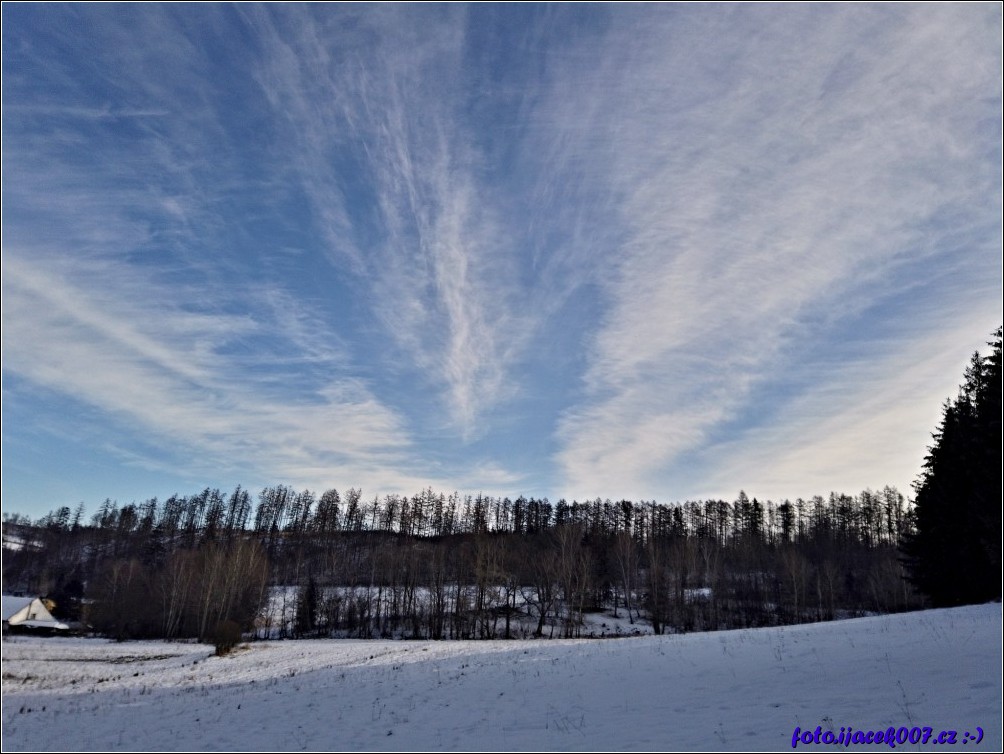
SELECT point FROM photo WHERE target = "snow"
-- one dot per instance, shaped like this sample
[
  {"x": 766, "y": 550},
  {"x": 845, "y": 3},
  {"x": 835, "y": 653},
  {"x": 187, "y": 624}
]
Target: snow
[
  {"x": 279, "y": 615},
  {"x": 45, "y": 625},
  {"x": 28, "y": 612},
  {"x": 734, "y": 690},
  {"x": 11, "y": 605},
  {"x": 12, "y": 542}
]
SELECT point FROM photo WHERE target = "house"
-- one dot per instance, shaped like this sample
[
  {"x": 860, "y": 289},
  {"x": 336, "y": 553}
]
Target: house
[{"x": 28, "y": 613}]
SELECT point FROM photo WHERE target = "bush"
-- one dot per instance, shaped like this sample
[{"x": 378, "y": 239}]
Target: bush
[{"x": 226, "y": 636}]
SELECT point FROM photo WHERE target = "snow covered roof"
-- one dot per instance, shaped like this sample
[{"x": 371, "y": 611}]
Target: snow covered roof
[
  {"x": 46, "y": 624},
  {"x": 13, "y": 605},
  {"x": 28, "y": 612}
]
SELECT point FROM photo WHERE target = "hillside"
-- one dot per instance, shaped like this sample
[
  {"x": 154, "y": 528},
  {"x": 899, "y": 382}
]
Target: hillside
[{"x": 732, "y": 690}]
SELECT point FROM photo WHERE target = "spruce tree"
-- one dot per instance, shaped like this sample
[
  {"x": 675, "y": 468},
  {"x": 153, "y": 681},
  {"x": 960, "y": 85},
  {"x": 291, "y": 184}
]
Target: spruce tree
[{"x": 954, "y": 555}]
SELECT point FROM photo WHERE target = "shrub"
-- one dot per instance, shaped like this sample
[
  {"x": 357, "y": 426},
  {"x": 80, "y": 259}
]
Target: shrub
[{"x": 226, "y": 636}]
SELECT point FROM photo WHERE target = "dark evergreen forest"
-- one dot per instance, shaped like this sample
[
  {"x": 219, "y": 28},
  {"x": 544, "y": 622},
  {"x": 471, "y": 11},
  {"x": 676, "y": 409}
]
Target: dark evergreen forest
[{"x": 953, "y": 553}]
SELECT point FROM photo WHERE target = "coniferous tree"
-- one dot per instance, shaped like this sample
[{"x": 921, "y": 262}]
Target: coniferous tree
[
  {"x": 306, "y": 608},
  {"x": 954, "y": 555}
]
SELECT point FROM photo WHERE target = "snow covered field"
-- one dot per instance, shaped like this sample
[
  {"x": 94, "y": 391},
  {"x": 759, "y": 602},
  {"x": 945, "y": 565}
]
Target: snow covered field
[{"x": 720, "y": 691}]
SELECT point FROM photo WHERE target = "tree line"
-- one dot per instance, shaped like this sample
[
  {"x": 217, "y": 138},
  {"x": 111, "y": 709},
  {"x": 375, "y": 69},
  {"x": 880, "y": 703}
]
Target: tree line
[
  {"x": 215, "y": 565},
  {"x": 443, "y": 566}
]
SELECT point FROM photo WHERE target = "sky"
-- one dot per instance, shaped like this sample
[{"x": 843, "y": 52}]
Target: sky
[{"x": 655, "y": 252}]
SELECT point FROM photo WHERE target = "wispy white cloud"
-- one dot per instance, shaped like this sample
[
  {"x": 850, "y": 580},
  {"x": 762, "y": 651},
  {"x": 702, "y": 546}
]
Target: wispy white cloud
[
  {"x": 138, "y": 280},
  {"x": 357, "y": 243},
  {"x": 166, "y": 372},
  {"x": 98, "y": 113},
  {"x": 865, "y": 425},
  {"x": 435, "y": 271},
  {"x": 772, "y": 179}
]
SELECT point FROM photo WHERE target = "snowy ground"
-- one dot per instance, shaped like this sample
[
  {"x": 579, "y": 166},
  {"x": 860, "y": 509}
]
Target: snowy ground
[
  {"x": 717, "y": 691},
  {"x": 280, "y": 614}
]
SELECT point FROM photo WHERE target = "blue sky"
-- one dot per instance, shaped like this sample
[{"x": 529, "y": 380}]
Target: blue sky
[{"x": 645, "y": 251}]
